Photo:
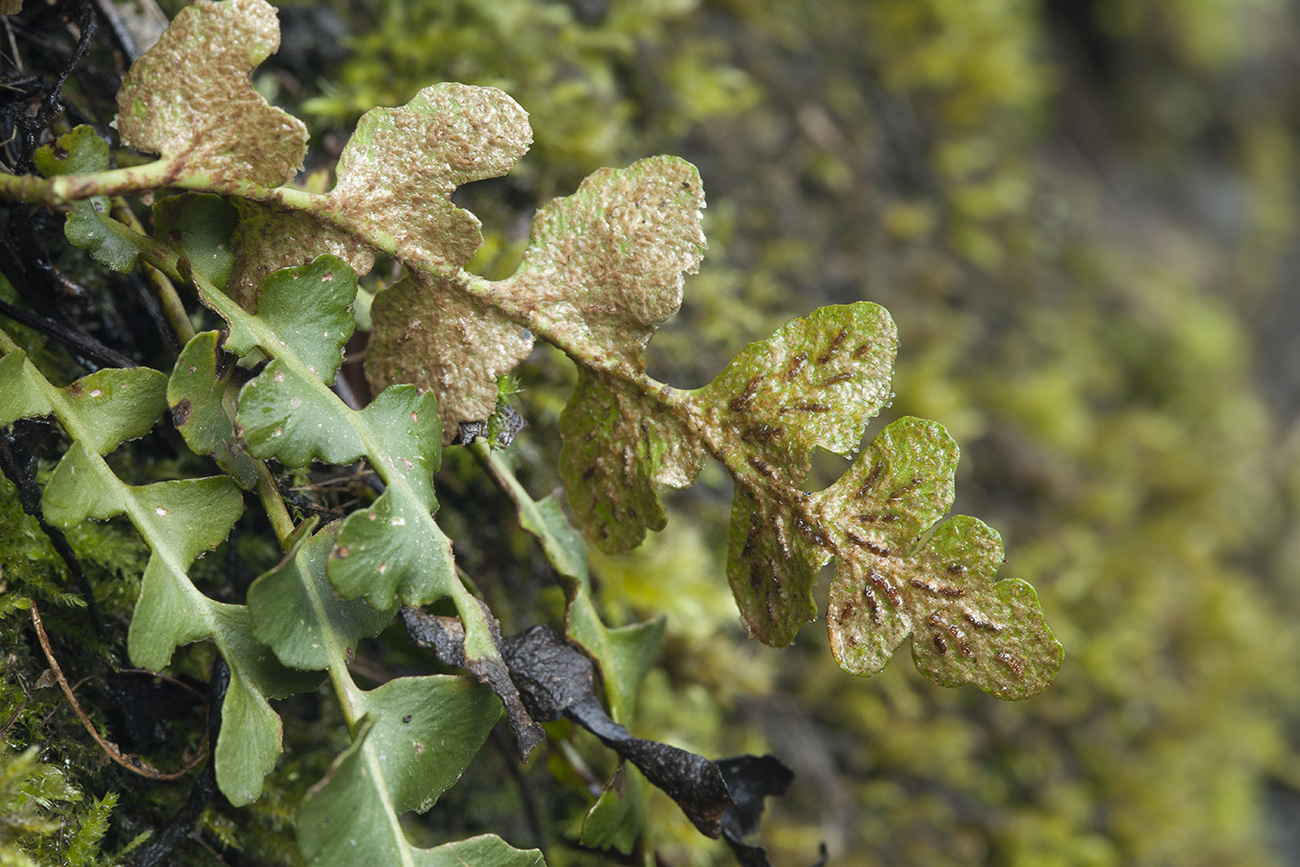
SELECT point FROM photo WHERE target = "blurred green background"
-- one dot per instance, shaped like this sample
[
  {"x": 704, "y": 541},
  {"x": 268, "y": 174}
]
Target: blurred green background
[{"x": 1082, "y": 216}]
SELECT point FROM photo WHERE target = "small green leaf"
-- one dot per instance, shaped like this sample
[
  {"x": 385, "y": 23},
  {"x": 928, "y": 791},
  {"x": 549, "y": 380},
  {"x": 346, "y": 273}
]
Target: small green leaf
[
  {"x": 297, "y": 614},
  {"x": 392, "y": 550},
  {"x": 250, "y": 740},
  {"x": 183, "y": 518},
  {"x": 21, "y": 395},
  {"x": 116, "y": 405},
  {"x": 89, "y": 225},
  {"x": 426, "y": 732},
  {"x": 198, "y": 227},
  {"x": 195, "y": 393},
  {"x": 209, "y": 120},
  {"x": 617, "y": 819},
  {"x": 485, "y": 850},
  {"x": 419, "y": 736},
  {"x": 286, "y": 415},
  {"x": 78, "y": 152},
  {"x": 304, "y": 313}
]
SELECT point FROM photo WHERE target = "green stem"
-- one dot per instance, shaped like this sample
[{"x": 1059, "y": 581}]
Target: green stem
[
  {"x": 274, "y": 506},
  {"x": 61, "y": 190},
  {"x": 163, "y": 288},
  {"x": 348, "y": 694}
]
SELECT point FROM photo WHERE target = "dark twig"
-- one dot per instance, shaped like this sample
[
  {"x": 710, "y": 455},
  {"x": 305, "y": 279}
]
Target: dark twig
[
  {"x": 526, "y": 795},
  {"x": 117, "y": 26},
  {"x": 31, "y": 127},
  {"x": 446, "y": 638},
  {"x": 159, "y": 846},
  {"x": 82, "y": 346},
  {"x": 722, "y": 798},
  {"x": 26, "y": 263}
]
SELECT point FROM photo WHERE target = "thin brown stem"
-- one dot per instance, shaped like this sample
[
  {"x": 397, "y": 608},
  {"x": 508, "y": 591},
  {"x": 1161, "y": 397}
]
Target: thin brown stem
[{"x": 132, "y": 763}]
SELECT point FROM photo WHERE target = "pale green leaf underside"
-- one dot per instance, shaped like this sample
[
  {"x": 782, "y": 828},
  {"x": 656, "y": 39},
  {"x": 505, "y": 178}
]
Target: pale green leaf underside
[
  {"x": 398, "y": 171},
  {"x": 89, "y": 225},
  {"x": 428, "y": 332},
  {"x": 268, "y": 239},
  {"x": 615, "y": 451},
  {"x": 606, "y": 265},
  {"x": 299, "y": 616},
  {"x": 419, "y": 736},
  {"x": 195, "y": 394}
]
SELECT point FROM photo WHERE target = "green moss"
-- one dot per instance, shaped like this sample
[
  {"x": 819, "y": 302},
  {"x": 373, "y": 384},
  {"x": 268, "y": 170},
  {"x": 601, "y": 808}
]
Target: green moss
[{"x": 599, "y": 86}]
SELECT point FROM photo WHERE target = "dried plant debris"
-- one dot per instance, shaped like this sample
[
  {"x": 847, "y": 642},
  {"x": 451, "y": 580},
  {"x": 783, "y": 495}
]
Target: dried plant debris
[{"x": 722, "y": 799}]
